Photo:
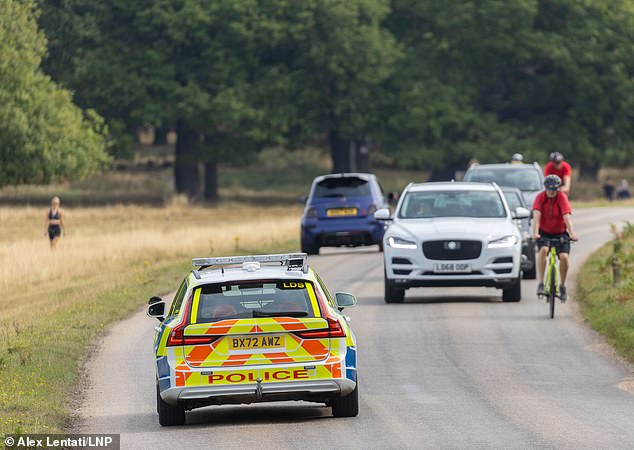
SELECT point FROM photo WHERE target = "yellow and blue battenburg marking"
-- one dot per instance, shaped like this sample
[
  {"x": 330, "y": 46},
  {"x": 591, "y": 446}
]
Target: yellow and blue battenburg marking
[{"x": 254, "y": 350}]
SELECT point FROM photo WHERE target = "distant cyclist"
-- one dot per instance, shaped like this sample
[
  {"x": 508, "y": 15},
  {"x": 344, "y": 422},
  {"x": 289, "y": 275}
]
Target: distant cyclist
[
  {"x": 557, "y": 166},
  {"x": 551, "y": 220},
  {"x": 517, "y": 158}
]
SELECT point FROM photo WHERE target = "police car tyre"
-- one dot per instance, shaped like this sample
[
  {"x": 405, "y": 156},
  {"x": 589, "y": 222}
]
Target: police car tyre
[
  {"x": 392, "y": 294},
  {"x": 347, "y": 406},
  {"x": 169, "y": 415},
  {"x": 514, "y": 292}
]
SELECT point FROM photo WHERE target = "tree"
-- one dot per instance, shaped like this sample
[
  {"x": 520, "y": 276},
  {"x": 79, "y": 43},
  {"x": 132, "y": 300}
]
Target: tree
[
  {"x": 485, "y": 79},
  {"x": 184, "y": 64},
  {"x": 435, "y": 117},
  {"x": 433, "y": 83},
  {"x": 44, "y": 137},
  {"x": 329, "y": 57},
  {"x": 588, "y": 63}
]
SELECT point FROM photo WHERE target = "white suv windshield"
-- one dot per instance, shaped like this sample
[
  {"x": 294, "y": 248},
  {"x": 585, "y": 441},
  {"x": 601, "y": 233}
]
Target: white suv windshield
[
  {"x": 525, "y": 179},
  {"x": 428, "y": 204}
]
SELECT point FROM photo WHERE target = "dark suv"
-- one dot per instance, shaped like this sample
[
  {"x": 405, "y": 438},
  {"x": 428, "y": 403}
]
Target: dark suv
[
  {"x": 515, "y": 200},
  {"x": 340, "y": 212},
  {"x": 528, "y": 178}
]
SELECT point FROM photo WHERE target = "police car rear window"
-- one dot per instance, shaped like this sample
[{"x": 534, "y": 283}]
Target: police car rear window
[
  {"x": 342, "y": 187},
  {"x": 254, "y": 300}
]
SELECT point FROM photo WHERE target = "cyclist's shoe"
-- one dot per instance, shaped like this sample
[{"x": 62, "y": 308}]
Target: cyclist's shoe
[
  {"x": 540, "y": 289},
  {"x": 563, "y": 296}
]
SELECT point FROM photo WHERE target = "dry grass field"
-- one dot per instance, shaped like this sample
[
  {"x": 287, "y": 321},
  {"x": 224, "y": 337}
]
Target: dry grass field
[
  {"x": 54, "y": 303},
  {"x": 101, "y": 239}
]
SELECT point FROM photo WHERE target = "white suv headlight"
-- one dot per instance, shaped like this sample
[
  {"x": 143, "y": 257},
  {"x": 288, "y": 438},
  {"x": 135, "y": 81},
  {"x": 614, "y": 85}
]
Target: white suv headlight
[
  {"x": 506, "y": 241},
  {"x": 397, "y": 242}
]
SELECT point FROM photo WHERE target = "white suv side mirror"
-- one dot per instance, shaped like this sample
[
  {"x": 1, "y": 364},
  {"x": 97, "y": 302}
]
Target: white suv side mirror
[
  {"x": 521, "y": 213},
  {"x": 382, "y": 214}
]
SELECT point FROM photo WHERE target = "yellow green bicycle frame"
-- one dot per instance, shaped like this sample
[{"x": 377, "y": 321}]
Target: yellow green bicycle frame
[{"x": 552, "y": 262}]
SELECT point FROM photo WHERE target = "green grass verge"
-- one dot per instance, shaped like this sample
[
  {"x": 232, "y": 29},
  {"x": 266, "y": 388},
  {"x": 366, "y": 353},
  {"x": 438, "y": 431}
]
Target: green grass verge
[
  {"x": 41, "y": 361},
  {"x": 600, "y": 203},
  {"x": 610, "y": 309}
]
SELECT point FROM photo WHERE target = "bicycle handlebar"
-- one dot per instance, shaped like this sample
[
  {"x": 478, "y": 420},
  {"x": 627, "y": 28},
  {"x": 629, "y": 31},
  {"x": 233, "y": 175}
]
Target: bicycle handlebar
[{"x": 559, "y": 240}]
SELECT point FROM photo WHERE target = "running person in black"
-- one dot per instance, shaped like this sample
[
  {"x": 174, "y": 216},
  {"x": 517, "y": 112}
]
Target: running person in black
[{"x": 54, "y": 223}]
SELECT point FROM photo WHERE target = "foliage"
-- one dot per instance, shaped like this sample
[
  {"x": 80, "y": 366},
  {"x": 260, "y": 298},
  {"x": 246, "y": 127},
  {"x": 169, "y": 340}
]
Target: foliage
[
  {"x": 485, "y": 79},
  {"x": 434, "y": 84},
  {"x": 44, "y": 137},
  {"x": 609, "y": 308},
  {"x": 326, "y": 58},
  {"x": 45, "y": 338}
]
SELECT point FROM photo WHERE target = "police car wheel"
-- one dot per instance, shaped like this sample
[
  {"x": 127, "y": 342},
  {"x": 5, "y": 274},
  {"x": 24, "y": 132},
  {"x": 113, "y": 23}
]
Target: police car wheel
[
  {"x": 347, "y": 406},
  {"x": 169, "y": 415}
]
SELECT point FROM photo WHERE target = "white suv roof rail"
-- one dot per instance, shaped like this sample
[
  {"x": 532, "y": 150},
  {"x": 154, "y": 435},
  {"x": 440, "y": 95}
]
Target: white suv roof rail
[{"x": 294, "y": 261}]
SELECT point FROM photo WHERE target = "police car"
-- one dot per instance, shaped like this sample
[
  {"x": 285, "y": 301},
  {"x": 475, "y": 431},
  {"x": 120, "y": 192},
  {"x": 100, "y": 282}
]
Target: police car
[{"x": 246, "y": 329}]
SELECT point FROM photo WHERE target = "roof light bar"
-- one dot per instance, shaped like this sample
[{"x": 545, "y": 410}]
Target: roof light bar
[{"x": 291, "y": 260}]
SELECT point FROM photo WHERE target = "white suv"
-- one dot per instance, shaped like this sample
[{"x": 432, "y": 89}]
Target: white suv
[{"x": 452, "y": 234}]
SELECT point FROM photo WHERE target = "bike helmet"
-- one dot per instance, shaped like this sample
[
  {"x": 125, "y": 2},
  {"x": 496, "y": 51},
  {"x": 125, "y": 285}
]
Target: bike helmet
[
  {"x": 556, "y": 157},
  {"x": 517, "y": 157},
  {"x": 552, "y": 182}
]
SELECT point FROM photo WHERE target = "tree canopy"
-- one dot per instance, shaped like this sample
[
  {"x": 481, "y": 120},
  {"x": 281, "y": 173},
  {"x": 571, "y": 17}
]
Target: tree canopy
[
  {"x": 44, "y": 137},
  {"x": 433, "y": 84}
]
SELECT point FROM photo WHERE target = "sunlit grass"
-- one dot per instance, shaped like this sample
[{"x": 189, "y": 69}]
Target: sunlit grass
[
  {"x": 601, "y": 203},
  {"x": 101, "y": 239},
  {"x": 55, "y": 302},
  {"x": 607, "y": 306}
]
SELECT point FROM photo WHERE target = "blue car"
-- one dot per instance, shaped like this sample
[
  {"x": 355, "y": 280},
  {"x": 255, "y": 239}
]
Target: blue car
[{"x": 340, "y": 212}]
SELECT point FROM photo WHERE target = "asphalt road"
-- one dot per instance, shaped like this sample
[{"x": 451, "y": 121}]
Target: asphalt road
[{"x": 449, "y": 368}]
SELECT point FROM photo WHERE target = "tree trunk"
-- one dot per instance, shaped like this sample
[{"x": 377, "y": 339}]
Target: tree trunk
[
  {"x": 186, "y": 176},
  {"x": 589, "y": 171},
  {"x": 340, "y": 151},
  {"x": 362, "y": 155},
  {"x": 211, "y": 181},
  {"x": 444, "y": 173},
  {"x": 160, "y": 136}
]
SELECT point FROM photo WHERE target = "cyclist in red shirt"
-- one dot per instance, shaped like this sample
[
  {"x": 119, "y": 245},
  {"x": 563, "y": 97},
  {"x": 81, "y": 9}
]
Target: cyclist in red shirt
[
  {"x": 557, "y": 166},
  {"x": 551, "y": 220}
]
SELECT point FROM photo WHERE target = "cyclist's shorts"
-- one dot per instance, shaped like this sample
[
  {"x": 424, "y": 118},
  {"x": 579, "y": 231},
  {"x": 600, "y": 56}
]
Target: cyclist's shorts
[{"x": 560, "y": 247}]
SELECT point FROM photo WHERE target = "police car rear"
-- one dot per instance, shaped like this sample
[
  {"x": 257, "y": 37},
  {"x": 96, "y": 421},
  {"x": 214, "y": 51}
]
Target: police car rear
[{"x": 254, "y": 329}]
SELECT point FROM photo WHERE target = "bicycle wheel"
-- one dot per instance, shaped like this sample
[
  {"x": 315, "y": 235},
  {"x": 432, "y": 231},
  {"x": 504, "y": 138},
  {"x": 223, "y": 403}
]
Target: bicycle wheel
[{"x": 552, "y": 290}]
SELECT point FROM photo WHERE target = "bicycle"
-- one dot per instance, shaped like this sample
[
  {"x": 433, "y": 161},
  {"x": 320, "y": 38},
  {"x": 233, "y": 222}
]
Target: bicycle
[{"x": 551, "y": 275}]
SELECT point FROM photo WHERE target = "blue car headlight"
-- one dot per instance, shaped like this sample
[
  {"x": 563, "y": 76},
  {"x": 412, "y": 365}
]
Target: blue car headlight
[{"x": 397, "y": 242}]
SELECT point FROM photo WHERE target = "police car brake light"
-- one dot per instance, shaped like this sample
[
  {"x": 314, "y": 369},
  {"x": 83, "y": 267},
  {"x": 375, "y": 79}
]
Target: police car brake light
[
  {"x": 177, "y": 334},
  {"x": 334, "y": 330},
  {"x": 176, "y": 337}
]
